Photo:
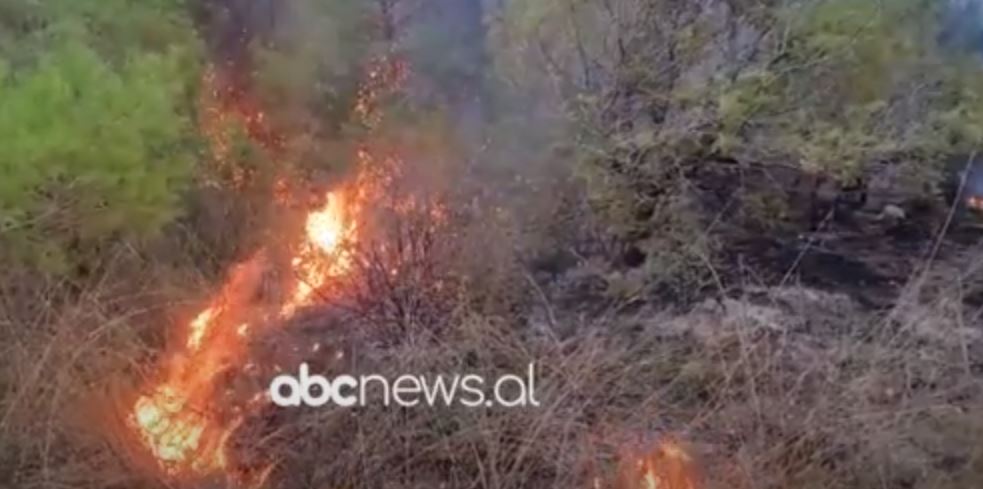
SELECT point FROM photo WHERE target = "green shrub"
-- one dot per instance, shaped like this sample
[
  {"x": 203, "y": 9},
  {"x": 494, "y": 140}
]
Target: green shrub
[{"x": 852, "y": 83}]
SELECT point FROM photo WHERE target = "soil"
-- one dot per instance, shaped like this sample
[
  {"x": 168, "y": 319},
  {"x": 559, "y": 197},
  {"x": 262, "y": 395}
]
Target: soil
[
  {"x": 867, "y": 240},
  {"x": 836, "y": 240}
]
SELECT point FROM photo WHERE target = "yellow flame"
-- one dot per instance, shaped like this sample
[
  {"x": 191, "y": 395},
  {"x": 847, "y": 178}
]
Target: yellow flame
[
  {"x": 170, "y": 430},
  {"x": 321, "y": 256},
  {"x": 200, "y": 326},
  {"x": 176, "y": 421},
  {"x": 326, "y": 227}
]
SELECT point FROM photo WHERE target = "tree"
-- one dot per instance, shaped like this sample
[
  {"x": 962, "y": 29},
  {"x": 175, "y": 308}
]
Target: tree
[
  {"x": 665, "y": 90},
  {"x": 95, "y": 124}
]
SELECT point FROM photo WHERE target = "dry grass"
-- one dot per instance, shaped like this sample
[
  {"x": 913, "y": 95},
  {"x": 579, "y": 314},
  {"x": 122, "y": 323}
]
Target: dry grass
[
  {"x": 781, "y": 388},
  {"x": 70, "y": 354}
]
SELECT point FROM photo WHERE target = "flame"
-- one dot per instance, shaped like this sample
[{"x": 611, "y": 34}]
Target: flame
[
  {"x": 326, "y": 230},
  {"x": 666, "y": 466},
  {"x": 177, "y": 418},
  {"x": 200, "y": 326},
  {"x": 175, "y": 421}
]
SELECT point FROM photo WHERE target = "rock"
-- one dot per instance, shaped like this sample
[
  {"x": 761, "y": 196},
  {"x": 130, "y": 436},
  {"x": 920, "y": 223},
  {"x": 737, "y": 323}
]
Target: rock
[{"x": 892, "y": 212}]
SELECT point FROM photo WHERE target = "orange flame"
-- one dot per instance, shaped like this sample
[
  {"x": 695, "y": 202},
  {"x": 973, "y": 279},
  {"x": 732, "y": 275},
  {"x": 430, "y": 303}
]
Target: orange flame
[
  {"x": 177, "y": 419},
  {"x": 666, "y": 466},
  {"x": 174, "y": 420}
]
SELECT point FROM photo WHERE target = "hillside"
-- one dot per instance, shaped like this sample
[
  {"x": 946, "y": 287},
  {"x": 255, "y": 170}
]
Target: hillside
[{"x": 648, "y": 244}]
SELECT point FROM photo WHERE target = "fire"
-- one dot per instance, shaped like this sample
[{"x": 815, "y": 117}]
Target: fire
[
  {"x": 172, "y": 435},
  {"x": 199, "y": 326},
  {"x": 324, "y": 227},
  {"x": 177, "y": 419},
  {"x": 326, "y": 230},
  {"x": 173, "y": 420},
  {"x": 666, "y": 466}
]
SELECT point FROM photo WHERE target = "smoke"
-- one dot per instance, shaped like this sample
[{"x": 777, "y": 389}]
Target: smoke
[
  {"x": 962, "y": 26},
  {"x": 446, "y": 44},
  {"x": 230, "y": 27},
  {"x": 458, "y": 123}
]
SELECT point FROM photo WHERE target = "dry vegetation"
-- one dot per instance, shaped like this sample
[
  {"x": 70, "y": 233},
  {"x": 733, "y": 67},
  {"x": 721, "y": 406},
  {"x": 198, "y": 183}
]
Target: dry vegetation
[
  {"x": 784, "y": 387},
  {"x": 660, "y": 271}
]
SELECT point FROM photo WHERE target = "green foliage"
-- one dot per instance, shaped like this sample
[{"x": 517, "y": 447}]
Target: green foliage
[
  {"x": 94, "y": 125},
  {"x": 854, "y": 81},
  {"x": 830, "y": 88}
]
